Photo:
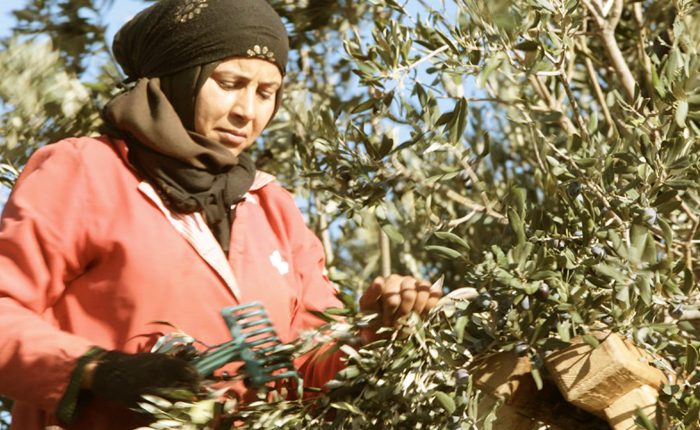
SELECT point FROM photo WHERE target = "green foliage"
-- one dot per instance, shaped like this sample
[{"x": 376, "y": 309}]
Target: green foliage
[
  {"x": 73, "y": 27},
  {"x": 43, "y": 101},
  {"x": 419, "y": 375},
  {"x": 5, "y": 408},
  {"x": 544, "y": 152},
  {"x": 42, "y": 95}
]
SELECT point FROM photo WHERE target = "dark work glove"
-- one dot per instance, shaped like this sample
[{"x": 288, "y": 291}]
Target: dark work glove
[{"x": 123, "y": 378}]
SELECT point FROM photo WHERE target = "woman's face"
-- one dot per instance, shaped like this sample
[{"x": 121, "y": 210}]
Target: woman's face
[{"x": 237, "y": 101}]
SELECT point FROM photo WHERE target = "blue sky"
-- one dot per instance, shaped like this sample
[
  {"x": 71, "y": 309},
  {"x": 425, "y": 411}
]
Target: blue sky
[{"x": 116, "y": 16}]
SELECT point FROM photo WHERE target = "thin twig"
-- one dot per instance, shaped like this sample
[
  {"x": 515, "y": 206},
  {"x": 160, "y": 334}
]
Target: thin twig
[
  {"x": 456, "y": 197},
  {"x": 450, "y": 194},
  {"x": 599, "y": 92},
  {"x": 385, "y": 253},
  {"x": 462, "y": 220},
  {"x": 690, "y": 315},
  {"x": 594, "y": 187},
  {"x": 570, "y": 70},
  {"x": 541, "y": 91},
  {"x": 687, "y": 210},
  {"x": 323, "y": 230},
  {"x": 536, "y": 148},
  {"x": 546, "y": 96},
  {"x": 550, "y": 73},
  {"x": 430, "y": 55},
  {"x": 595, "y": 11},
  {"x": 327, "y": 242},
  {"x": 575, "y": 109},
  {"x": 689, "y": 246},
  {"x": 641, "y": 43},
  {"x": 472, "y": 175}
]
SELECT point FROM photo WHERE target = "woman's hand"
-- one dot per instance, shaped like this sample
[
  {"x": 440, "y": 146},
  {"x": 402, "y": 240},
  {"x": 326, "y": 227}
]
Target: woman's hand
[
  {"x": 124, "y": 378},
  {"x": 394, "y": 298}
]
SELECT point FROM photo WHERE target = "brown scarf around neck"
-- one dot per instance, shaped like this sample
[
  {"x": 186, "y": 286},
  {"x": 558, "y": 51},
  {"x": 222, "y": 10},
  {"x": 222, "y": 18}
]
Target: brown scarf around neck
[{"x": 190, "y": 172}]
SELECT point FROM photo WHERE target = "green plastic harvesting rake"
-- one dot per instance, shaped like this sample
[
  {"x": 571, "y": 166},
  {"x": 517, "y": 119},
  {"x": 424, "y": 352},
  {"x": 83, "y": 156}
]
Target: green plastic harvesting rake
[{"x": 255, "y": 342}]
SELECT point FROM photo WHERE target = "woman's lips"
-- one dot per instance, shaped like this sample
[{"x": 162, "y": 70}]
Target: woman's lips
[{"x": 232, "y": 137}]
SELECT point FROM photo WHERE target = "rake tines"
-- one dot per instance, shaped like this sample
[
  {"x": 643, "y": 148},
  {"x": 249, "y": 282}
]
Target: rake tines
[{"x": 255, "y": 342}]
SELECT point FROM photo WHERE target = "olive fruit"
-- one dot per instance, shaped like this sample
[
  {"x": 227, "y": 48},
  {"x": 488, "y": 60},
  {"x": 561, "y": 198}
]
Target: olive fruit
[
  {"x": 543, "y": 292},
  {"x": 598, "y": 251},
  {"x": 462, "y": 376},
  {"x": 521, "y": 349},
  {"x": 558, "y": 243},
  {"x": 649, "y": 216},
  {"x": 573, "y": 189}
]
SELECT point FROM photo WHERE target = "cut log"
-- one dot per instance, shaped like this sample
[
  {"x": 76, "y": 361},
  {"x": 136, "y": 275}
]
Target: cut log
[
  {"x": 605, "y": 380},
  {"x": 507, "y": 416},
  {"x": 621, "y": 414},
  {"x": 507, "y": 377}
]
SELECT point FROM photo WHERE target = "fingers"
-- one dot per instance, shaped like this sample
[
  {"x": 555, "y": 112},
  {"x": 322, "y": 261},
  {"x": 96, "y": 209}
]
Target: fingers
[
  {"x": 397, "y": 296},
  {"x": 370, "y": 300},
  {"x": 422, "y": 297},
  {"x": 409, "y": 295},
  {"x": 391, "y": 299}
]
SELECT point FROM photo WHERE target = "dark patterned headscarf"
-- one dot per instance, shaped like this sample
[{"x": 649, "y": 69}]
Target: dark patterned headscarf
[
  {"x": 174, "y": 35},
  {"x": 169, "y": 50}
]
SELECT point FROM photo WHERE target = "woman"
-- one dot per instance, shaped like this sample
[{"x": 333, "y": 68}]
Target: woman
[{"x": 163, "y": 218}]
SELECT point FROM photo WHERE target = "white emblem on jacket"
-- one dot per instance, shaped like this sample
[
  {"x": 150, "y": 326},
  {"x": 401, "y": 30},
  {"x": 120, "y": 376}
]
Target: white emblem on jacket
[{"x": 277, "y": 261}]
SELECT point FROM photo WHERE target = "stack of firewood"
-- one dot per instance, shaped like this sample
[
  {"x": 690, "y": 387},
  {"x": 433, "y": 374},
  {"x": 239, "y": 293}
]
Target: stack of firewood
[{"x": 584, "y": 387}]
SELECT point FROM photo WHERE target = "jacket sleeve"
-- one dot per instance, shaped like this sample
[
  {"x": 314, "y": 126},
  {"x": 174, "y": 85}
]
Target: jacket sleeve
[
  {"x": 42, "y": 247},
  {"x": 317, "y": 294}
]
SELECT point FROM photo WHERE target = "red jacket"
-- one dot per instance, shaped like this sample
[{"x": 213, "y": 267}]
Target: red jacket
[{"x": 90, "y": 257}]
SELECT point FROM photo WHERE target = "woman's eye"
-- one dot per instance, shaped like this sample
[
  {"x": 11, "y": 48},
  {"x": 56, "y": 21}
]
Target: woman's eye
[
  {"x": 265, "y": 95},
  {"x": 230, "y": 85}
]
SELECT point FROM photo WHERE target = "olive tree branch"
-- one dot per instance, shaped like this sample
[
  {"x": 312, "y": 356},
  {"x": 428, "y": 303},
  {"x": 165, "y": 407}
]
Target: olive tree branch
[
  {"x": 593, "y": 78},
  {"x": 687, "y": 210},
  {"x": 691, "y": 235},
  {"x": 570, "y": 69},
  {"x": 326, "y": 238},
  {"x": 384, "y": 245},
  {"x": 641, "y": 43},
  {"x": 599, "y": 193},
  {"x": 449, "y": 193},
  {"x": 323, "y": 229},
  {"x": 462, "y": 220},
  {"x": 690, "y": 315},
  {"x": 607, "y": 23}
]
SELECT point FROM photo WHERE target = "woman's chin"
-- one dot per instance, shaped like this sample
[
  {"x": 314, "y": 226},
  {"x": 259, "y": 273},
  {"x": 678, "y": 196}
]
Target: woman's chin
[
  {"x": 234, "y": 145},
  {"x": 235, "y": 149}
]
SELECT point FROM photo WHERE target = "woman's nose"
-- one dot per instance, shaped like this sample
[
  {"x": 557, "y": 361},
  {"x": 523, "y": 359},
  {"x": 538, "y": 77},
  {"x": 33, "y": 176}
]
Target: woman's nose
[{"x": 244, "y": 105}]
